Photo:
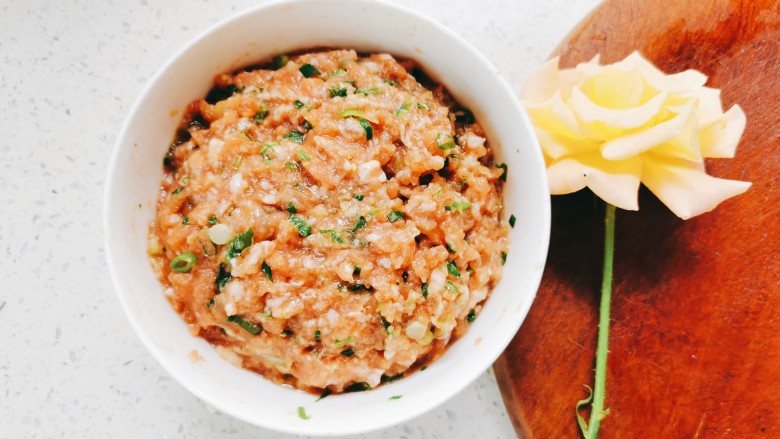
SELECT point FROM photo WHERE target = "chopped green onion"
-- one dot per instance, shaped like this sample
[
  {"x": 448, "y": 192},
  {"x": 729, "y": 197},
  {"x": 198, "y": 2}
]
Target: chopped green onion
[
  {"x": 184, "y": 262},
  {"x": 176, "y": 191},
  {"x": 358, "y": 197},
  {"x": 304, "y": 229},
  {"x": 390, "y": 378},
  {"x": 341, "y": 343},
  {"x": 267, "y": 149},
  {"x": 357, "y": 387},
  {"x": 302, "y": 413},
  {"x": 291, "y": 165},
  {"x": 356, "y": 288},
  {"x": 307, "y": 125},
  {"x": 267, "y": 271},
  {"x": 453, "y": 269},
  {"x": 395, "y": 397},
  {"x": 448, "y": 145},
  {"x": 472, "y": 316},
  {"x": 464, "y": 117},
  {"x": 422, "y": 106},
  {"x": 506, "y": 170},
  {"x": 404, "y": 108},
  {"x": 298, "y": 104},
  {"x": 391, "y": 82},
  {"x": 356, "y": 271},
  {"x": 512, "y": 221},
  {"x": 308, "y": 70},
  {"x": 386, "y": 325},
  {"x": 367, "y": 128},
  {"x": 291, "y": 208},
  {"x": 247, "y": 326},
  {"x": 294, "y": 135},
  {"x": 425, "y": 290},
  {"x": 220, "y": 234},
  {"x": 210, "y": 303},
  {"x": 287, "y": 333},
  {"x": 317, "y": 335},
  {"x": 339, "y": 91},
  {"x": 503, "y": 258},
  {"x": 458, "y": 206},
  {"x": 395, "y": 216},
  {"x": 212, "y": 220},
  {"x": 450, "y": 248},
  {"x": 449, "y": 286},
  {"x": 351, "y": 112},
  {"x": 337, "y": 72},
  {"x": 223, "y": 277},
  {"x": 347, "y": 352},
  {"x": 361, "y": 222},
  {"x": 303, "y": 156},
  {"x": 279, "y": 61},
  {"x": 185, "y": 180},
  {"x": 185, "y": 220},
  {"x": 248, "y": 136},
  {"x": 334, "y": 235},
  {"x": 325, "y": 393},
  {"x": 261, "y": 113},
  {"x": 239, "y": 243},
  {"x": 367, "y": 91}
]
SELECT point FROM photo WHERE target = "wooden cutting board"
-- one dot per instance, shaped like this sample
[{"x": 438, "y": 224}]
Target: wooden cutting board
[{"x": 695, "y": 339}]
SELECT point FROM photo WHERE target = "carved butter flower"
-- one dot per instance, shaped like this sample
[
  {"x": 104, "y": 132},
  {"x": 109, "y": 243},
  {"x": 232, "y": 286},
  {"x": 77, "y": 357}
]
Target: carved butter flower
[{"x": 611, "y": 127}]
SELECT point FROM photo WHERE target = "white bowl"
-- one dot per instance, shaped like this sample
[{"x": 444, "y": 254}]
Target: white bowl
[{"x": 369, "y": 26}]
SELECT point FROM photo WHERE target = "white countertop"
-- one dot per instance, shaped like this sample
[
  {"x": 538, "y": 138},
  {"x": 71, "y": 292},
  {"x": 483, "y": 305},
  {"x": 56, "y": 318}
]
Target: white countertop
[{"x": 70, "y": 364}]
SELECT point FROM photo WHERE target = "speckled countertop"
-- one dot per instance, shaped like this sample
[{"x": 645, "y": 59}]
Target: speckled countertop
[{"x": 70, "y": 364}]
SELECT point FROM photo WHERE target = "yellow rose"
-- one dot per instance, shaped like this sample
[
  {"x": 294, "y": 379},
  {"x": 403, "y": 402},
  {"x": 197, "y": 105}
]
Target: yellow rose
[{"x": 611, "y": 127}]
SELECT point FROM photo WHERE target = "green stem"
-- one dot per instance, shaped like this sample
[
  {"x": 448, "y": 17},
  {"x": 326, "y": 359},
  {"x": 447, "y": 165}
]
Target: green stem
[{"x": 597, "y": 412}]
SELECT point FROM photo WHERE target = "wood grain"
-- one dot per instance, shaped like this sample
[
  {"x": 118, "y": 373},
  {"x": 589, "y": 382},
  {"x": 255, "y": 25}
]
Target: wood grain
[{"x": 695, "y": 340}]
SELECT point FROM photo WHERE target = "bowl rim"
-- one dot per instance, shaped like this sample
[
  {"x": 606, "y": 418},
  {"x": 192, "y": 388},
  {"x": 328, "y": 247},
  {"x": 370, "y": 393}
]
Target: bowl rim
[{"x": 110, "y": 187}]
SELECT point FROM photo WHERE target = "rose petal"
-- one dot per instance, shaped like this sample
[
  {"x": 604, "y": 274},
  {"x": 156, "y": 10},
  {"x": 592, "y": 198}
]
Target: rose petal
[
  {"x": 720, "y": 139},
  {"x": 683, "y": 82},
  {"x": 556, "y": 146},
  {"x": 587, "y": 111},
  {"x": 678, "y": 134},
  {"x": 542, "y": 84},
  {"x": 616, "y": 182},
  {"x": 685, "y": 188},
  {"x": 553, "y": 115}
]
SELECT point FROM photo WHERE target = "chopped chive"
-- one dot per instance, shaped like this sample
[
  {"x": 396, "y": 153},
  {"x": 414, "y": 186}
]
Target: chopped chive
[
  {"x": 246, "y": 325},
  {"x": 472, "y": 316},
  {"x": 453, "y": 269},
  {"x": 261, "y": 113},
  {"x": 307, "y": 125},
  {"x": 268, "y": 148},
  {"x": 464, "y": 117},
  {"x": 183, "y": 263},
  {"x": 512, "y": 221},
  {"x": 403, "y": 108},
  {"x": 458, "y": 206},
  {"x": 267, "y": 271},
  {"x": 356, "y": 271},
  {"x": 449, "y": 286},
  {"x": 302, "y": 413},
  {"x": 308, "y": 70},
  {"x": 351, "y": 112},
  {"x": 390, "y": 378},
  {"x": 291, "y": 208},
  {"x": 337, "y": 72},
  {"x": 298, "y": 104},
  {"x": 339, "y": 91},
  {"x": 334, "y": 235},
  {"x": 291, "y": 165},
  {"x": 503, "y": 258},
  {"x": 210, "y": 303},
  {"x": 185, "y": 180},
  {"x": 303, "y": 156},
  {"x": 367, "y": 91},
  {"x": 448, "y": 145},
  {"x": 425, "y": 290},
  {"x": 223, "y": 277},
  {"x": 317, "y": 335},
  {"x": 361, "y": 222},
  {"x": 176, "y": 191},
  {"x": 506, "y": 170},
  {"x": 367, "y": 128},
  {"x": 386, "y": 325},
  {"x": 239, "y": 243},
  {"x": 395, "y": 397},
  {"x": 185, "y": 220},
  {"x": 358, "y": 197},
  {"x": 325, "y": 393},
  {"x": 405, "y": 276},
  {"x": 374, "y": 212},
  {"x": 356, "y": 288},
  {"x": 347, "y": 352},
  {"x": 341, "y": 343},
  {"x": 391, "y": 82},
  {"x": 357, "y": 387},
  {"x": 294, "y": 135},
  {"x": 304, "y": 229},
  {"x": 450, "y": 248},
  {"x": 279, "y": 61},
  {"x": 422, "y": 106},
  {"x": 212, "y": 220},
  {"x": 395, "y": 216}
]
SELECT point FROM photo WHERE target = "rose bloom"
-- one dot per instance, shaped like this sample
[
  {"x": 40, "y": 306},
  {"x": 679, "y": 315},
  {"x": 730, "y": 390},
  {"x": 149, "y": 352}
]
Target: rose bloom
[{"x": 611, "y": 127}]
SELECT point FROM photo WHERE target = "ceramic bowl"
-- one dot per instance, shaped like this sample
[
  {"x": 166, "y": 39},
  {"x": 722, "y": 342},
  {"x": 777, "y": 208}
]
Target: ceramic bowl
[{"x": 258, "y": 34}]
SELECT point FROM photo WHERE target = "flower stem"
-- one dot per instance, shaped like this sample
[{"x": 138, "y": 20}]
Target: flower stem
[{"x": 597, "y": 412}]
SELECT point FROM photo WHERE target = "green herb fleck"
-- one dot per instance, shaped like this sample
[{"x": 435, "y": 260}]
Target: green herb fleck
[
  {"x": 391, "y": 82},
  {"x": 447, "y": 145},
  {"x": 450, "y": 248},
  {"x": 279, "y": 61},
  {"x": 403, "y": 108},
  {"x": 317, "y": 335},
  {"x": 386, "y": 325},
  {"x": 453, "y": 269},
  {"x": 506, "y": 170},
  {"x": 367, "y": 91},
  {"x": 361, "y": 222},
  {"x": 395, "y": 397},
  {"x": 367, "y": 128},
  {"x": 212, "y": 220},
  {"x": 339, "y": 91},
  {"x": 357, "y": 387},
  {"x": 267, "y": 271},
  {"x": 464, "y": 117},
  {"x": 351, "y": 112},
  {"x": 183, "y": 263},
  {"x": 334, "y": 235},
  {"x": 246, "y": 325},
  {"x": 176, "y": 191},
  {"x": 512, "y": 221},
  {"x": 325, "y": 393},
  {"x": 337, "y": 72},
  {"x": 358, "y": 197},
  {"x": 395, "y": 216},
  {"x": 357, "y": 287},
  {"x": 210, "y": 303},
  {"x": 390, "y": 378},
  {"x": 422, "y": 106},
  {"x": 356, "y": 271},
  {"x": 471, "y": 316},
  {"x": 307, "y": 125},
  {"x": 458, "y": 206},
  {"x": 302, "y": 413},
  {"x": 239, "y": 243},
  {"x": 304, "y": 229},
  {"x": 449, "y": 286},
  {"x": 308, "y": 70},
  {"x": 425, "y": 290},
  {"x": 223, "y": 277},
  {"x": 294, "y": 135},
  {"x": 298, "y": 104},
  {"x": 503, "y": 258},
  {"x": 303, "y": 156},
  {"x": 291, "y": 208},
  {"x": 185, "y": 220},
  {"x": 347, "y": 352},
  {"x": 341, "y": 343},
  {"x": 291, "y": 165},
  {"x": 261, "y": 113}
]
